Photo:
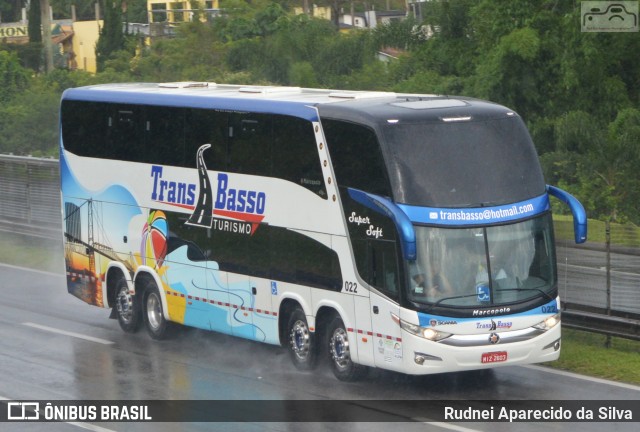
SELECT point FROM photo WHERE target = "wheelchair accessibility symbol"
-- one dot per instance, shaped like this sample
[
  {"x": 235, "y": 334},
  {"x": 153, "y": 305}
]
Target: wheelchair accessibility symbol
[{"x": 482, "y": 292}]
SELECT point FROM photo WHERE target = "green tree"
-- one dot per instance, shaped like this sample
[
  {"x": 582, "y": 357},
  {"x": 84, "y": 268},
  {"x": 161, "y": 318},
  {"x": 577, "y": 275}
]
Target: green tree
[
  {"x": 508, "y": 74},
  {"x": 11, "y": 10},
  {"x": 84, "y": 9},
  {"x": 607, "y": 180},
  {"x": 356, "y": 50},
  {"x": 196, "y": 53},
  {"x": 273, "y": 57},
  {"x": 29, "y": 125},
  {"x": 303, "y": 75},
  {"x": 266, "y": 20},
  {"x": 402, "y": 34},
  {"x": 13, "y": 77},
  {"x": 35, "y": 22},
  {"x": 111, "y": 36}
]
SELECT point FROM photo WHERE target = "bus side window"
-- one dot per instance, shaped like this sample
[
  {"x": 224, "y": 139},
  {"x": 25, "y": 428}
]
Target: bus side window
[
  {"x": 384, "y": 271},
  {"x": 249, "y": 144},
  {"x": 164, "y": 135},
  {"x": 377, "y": 264},
  {"x": 356, "y": 157},
  {"x": 125, "y": 133},
  {"x": 206, "y": 127},
  {"x": 84, "y": 128},
  {"x": 295, "y": 157},
  {"x": 297, "y": 258}
]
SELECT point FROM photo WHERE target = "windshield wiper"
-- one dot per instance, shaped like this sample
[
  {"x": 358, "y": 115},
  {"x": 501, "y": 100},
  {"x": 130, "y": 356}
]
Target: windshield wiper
[
  {"x": 432, "y": 306},
  {"x": 526, "y": 289}
]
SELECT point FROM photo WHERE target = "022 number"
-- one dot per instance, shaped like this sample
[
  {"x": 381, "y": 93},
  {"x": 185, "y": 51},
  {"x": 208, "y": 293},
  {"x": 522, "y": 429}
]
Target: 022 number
[{"x": 351, "y": 287}]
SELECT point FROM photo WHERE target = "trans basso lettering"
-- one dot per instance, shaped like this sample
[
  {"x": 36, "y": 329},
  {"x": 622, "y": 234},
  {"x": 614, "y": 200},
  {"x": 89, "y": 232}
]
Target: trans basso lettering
[
  {"x": 172, "y": 192},
  {"x": 240, "y": 200},
  {"x": 241, "y": 204}
]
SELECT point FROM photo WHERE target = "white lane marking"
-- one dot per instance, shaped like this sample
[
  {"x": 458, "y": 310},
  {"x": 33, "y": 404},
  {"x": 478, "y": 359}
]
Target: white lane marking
[
  {"x": 443, "y": 425},
  {"x": 583, "y": 377},
  {"x": 46, "y": 273},
  {"x": 67, "y": 333},
  {"x": 87, "y": 426},
  {"x": 90, "y": 427}
]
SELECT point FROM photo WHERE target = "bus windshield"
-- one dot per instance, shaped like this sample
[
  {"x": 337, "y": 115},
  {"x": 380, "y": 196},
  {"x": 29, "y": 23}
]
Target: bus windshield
[{"x": 484, "y": 266}]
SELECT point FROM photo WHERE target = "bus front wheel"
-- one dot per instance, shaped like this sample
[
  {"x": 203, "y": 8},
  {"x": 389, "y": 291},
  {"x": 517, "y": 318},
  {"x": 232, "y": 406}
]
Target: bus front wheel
[
  {"x": 157, "y": 326},
  {"x": 127, "y": 308},
  {"x": 340, "y": 354},
  {"x": 302, "y": 346}
]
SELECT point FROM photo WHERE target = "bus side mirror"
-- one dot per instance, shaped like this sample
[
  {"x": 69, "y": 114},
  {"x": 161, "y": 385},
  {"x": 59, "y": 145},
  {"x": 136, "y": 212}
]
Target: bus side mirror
[
  {"x": 403, "y": 224},
  {"x": 579, "y": 215}
]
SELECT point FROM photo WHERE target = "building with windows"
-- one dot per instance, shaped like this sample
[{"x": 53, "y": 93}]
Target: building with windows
[
  {"x": 173, "y": 12},
  {"x": 74, "y": 42},
  {"x": 348, "y": 20}
]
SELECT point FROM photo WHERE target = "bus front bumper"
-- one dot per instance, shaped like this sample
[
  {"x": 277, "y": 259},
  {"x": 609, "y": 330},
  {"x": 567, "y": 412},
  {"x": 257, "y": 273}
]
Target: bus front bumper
[{"x": 495, "y": 349}]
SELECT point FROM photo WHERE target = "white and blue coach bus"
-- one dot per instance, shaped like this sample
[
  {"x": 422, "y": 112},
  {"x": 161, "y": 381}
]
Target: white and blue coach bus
[{"x": 398, "y": 231}]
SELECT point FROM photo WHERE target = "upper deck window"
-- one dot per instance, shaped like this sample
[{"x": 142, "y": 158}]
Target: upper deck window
[
  {"x": 258, "y": 144},
  {"x": 462, "y": 163},
  {"x": 356, "y": 157}
]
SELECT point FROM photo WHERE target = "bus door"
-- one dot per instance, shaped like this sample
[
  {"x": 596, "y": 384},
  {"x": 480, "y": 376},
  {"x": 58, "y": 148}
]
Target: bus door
[
  {"x": 265, "y": 322},
  {"x": 377, "y": 261},
  {"x": 385, "y": 278},
  {"x": 373, "y": 230}
]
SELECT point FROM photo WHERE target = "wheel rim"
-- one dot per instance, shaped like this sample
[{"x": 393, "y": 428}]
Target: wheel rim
[
  {"x": 300, "y": 339},
  {"x": 154, "y": 311},
  {"x": 124, "y": 304},
  {"x": 339, "y": 348}
]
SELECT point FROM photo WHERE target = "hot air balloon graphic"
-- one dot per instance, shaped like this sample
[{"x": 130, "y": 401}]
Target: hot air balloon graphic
[{"x": 153, "y": 247}]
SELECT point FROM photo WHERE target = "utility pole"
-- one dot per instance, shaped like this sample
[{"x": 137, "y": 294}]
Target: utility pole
[{"x": 45, "y": 10}]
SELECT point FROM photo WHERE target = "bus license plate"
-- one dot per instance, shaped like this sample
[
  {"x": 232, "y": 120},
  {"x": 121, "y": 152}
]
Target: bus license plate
[{"x": 494, "y": 357}]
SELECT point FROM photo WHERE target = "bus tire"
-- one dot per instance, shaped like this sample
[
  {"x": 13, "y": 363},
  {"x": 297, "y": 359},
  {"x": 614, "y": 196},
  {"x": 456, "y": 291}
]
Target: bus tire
[
  {"x": 157, "y": 326},
  {"x": 340, "y": 354},
  {"x": 302, "y": 345},
  {"x": 127, "y": 308}
]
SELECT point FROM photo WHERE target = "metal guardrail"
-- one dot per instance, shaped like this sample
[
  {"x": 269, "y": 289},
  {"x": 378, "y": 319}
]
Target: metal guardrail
[
  {"x": 30, "y": 204},
  {"x": 625, "y": 327},
  {"x": 30, "y": 192}
]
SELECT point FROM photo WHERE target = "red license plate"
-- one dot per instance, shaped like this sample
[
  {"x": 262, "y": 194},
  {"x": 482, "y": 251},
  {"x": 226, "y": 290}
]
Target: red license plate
[{"x": 494, "y": 357}]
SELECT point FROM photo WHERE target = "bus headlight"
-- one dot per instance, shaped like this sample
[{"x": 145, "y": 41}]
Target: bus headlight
[
  {"x": 423, "y": 332},
  {"x": 549, "y": 323}
]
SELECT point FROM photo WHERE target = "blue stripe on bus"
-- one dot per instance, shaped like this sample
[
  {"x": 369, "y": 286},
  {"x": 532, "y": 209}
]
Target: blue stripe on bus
[
  {"x": 426, "y": 320},
  {"x": 94, "y": 94},
  {"x": 477, "y": 216}
]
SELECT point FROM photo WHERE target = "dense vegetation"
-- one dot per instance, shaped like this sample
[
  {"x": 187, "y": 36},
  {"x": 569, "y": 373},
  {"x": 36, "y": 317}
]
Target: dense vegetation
[{"x": 578, "y": 92}]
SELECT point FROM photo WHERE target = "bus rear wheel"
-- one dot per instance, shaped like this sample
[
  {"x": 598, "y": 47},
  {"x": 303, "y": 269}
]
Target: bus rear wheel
[
  {"x": 302, "y": 346},
  {"x": 157, "y": 326},
  {"x": 127, "y": 308},
  {"x": 340, "y": 354}
]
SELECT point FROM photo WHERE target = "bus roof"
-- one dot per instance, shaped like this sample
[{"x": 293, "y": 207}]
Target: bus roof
[{"x": 280, "y": 100}]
